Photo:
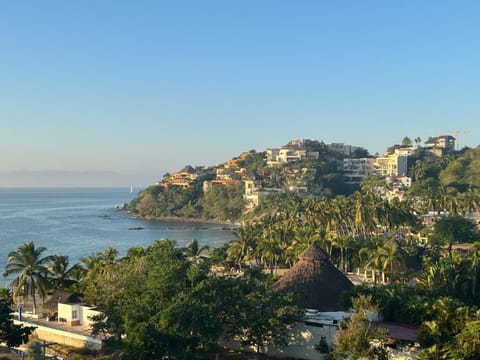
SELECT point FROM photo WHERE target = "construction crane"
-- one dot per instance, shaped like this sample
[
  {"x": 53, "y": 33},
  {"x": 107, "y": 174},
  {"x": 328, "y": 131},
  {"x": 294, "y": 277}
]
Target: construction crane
[{"x": 457, "y": 133}]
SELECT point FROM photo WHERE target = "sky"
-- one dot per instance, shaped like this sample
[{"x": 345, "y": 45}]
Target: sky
[{"x": 141, "y": 88}]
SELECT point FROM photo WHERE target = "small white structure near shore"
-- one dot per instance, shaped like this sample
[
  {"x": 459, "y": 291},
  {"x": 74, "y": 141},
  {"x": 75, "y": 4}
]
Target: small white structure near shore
[{"x": 64, "y": 320}]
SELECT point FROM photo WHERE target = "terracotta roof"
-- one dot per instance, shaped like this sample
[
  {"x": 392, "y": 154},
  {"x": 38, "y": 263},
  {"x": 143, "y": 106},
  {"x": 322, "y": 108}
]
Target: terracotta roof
[
  {"x": 316, "y": 281},
  {"x": 400, "y": 331}
]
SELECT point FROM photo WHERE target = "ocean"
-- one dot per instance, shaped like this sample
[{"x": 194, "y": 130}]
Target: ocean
[{"x": 81, "y": 222}]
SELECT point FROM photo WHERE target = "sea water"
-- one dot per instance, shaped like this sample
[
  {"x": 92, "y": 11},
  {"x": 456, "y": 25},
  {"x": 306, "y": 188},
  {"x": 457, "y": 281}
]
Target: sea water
[{"x": 81, "y": 222}]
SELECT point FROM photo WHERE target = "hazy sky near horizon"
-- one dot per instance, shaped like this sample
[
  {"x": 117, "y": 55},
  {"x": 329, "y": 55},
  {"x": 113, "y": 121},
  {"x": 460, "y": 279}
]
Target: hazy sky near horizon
[{"x": 150, "y": 86}]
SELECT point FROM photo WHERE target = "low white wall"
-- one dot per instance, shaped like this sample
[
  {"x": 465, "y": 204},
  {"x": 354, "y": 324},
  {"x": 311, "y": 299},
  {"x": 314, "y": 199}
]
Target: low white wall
[{"x": 63, "y": 337}]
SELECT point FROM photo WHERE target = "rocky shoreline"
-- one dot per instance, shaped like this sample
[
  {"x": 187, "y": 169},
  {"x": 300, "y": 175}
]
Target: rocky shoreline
[{"x": 227, "y": 225}]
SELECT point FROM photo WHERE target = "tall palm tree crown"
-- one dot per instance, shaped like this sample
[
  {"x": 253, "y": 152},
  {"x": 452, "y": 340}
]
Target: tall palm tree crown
[
  {"x": 61, "y": 276},
  {"x": 32, "y": 270}
]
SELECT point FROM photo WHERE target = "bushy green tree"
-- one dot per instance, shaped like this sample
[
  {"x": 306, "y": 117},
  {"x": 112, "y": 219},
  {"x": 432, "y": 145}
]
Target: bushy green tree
[
  {"x": 360, "y": 337},
  {"x": 11, "y": 334},
  {"x": 223, "y": 202},
  {"x": 454, "y": 229},
  {"x": 163, "y": 304},
  {"x": 157, "y": 201},
  {"x": 262, "y": 317},
  {"x": 466, "y": 345}
]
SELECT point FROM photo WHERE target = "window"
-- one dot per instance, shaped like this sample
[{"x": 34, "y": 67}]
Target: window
[{"x": 74, "y": 314}]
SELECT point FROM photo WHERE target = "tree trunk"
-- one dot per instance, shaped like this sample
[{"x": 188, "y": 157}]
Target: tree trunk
[
  {"x": 34, "y": 310},
  {"x": 346, "y": 261},
  {"x": 32, "y": 282},
  {"x": 341, "y": 259}
]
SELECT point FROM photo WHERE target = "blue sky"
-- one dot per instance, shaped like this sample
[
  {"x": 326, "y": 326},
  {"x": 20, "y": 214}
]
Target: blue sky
[{"x": 150, "y": 86}]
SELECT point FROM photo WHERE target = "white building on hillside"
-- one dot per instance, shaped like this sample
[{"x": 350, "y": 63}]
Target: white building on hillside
[
  {"x": 355, "y": 170},
  {"x": 391, "y": 165}
]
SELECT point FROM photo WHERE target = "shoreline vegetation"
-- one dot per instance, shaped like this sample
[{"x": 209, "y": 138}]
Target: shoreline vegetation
[
  {"x": 232, "y": 225},
  {"x": 221, "y": 205}
]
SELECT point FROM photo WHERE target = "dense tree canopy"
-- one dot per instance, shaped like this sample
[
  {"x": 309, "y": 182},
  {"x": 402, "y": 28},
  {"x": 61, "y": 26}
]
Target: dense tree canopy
[
  {"x": 163, "y": 303},
  {"x": 355, "y": 337},
  {"x": 465, "y": 170},
  {"x": 454, "y": 229}
]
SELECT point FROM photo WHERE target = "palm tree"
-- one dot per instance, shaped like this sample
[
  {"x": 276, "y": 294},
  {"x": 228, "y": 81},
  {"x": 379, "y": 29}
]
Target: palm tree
[
  {"x": 418, "y": 141},
  {"x": 239, "y": 250},
  {"x": 418, "y": 170},
  {"x": 303, "y": 237},
  {"x": 377, "y": 261},
  {"x": 91, "y": 265},
  {"x": 470, "y": 199},
  {"x": 92, "y": 262},
  {"x": 372, "y": 256},
  {"x": 475, "y": 269},
  {"x": 269, "y": 252},
  {"x": 61, "y": 277},
  {"x": 194, "y": 251},
  {"x": 32, "y": 271},
  {"x": 110, "y": 255},
  {"x": 343, "y": 243},
  {"x": 406, "y": 142},
  {"x": 373, "y": 184},
  {"x": 391, "y": 256}
]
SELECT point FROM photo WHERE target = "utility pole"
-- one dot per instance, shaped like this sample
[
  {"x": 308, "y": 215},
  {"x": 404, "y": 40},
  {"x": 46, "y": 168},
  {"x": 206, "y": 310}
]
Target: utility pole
[{"x": 44, "y": 347}]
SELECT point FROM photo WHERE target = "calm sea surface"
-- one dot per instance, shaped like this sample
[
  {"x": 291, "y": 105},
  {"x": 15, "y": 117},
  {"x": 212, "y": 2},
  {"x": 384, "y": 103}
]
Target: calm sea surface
[{"x": 80, "y": 222}]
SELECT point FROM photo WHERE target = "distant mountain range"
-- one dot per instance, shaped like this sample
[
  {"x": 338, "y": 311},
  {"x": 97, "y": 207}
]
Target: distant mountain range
[{"x": 61, "y": 178}]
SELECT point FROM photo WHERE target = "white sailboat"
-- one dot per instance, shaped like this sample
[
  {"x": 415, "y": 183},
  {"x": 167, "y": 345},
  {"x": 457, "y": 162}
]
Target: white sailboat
[{"x": 131, "y": 189}]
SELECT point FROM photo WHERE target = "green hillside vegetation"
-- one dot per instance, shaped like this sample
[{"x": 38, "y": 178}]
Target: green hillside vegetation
[
  {"x": 222, "y": 203},
  {"x": 463, "y": 171},
  {"x": 321, "y": 177},
  {"x": 157, "y": 202}
]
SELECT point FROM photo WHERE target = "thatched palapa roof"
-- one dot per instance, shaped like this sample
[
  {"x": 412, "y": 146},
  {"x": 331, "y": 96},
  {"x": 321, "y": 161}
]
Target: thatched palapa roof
[
  {"x": 61, "y": 297},
  {"x": 188, "y": 170},
  {"x": 316, "y": 281}
]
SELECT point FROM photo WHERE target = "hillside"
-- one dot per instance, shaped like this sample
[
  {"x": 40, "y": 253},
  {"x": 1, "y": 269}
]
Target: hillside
[
  {"x": 224, "y": 192},
  {"x": 222, "y": 203},
  {"x": 216, "y": 193},
  {"x": 463, "y": 171}
]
